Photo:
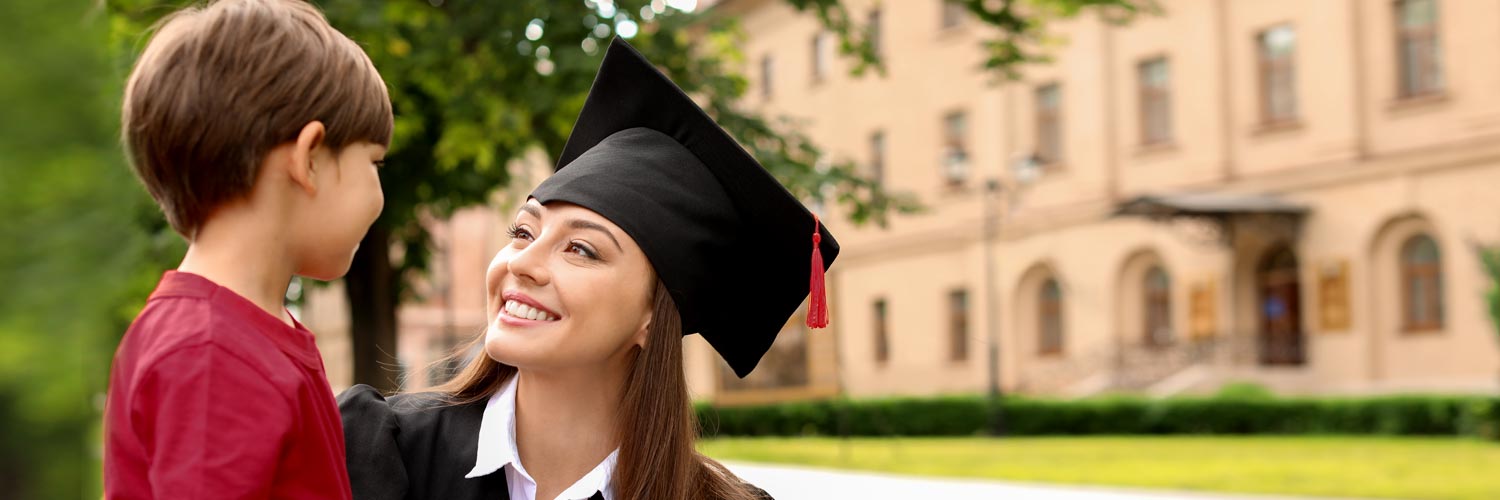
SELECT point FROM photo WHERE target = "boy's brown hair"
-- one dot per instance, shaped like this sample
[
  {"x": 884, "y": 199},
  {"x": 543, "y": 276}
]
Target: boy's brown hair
[{"x": 218, "y": 86}]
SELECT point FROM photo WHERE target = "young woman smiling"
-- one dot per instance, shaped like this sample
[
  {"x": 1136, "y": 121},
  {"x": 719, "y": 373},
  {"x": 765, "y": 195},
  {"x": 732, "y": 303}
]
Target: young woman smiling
[{"x": 655, "y": 225}]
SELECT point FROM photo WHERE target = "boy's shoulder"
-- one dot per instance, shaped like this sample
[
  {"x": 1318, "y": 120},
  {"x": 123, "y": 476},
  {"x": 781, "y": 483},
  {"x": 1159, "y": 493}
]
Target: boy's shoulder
[
  {"x": 188, "y": 319},
  {"x": 176, "y": 322}
]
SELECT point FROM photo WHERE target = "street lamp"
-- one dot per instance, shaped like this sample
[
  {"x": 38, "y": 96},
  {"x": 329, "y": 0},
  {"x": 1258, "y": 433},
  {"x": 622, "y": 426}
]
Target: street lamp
[{"x": 1024, "y": 169}]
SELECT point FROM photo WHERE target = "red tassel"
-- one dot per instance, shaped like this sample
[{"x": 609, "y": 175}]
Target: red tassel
[{"x": 817, "y": 311}]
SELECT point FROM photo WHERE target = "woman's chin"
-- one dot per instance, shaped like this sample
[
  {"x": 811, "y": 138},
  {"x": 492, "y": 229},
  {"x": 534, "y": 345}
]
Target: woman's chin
[
  {"x": 501, "y": 348},
  {"x": 518, "y": 347}
]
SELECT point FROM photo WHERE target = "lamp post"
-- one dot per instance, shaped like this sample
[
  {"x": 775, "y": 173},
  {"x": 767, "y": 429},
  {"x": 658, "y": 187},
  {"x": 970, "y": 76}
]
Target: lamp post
[{"x": 1024, "y": 169}]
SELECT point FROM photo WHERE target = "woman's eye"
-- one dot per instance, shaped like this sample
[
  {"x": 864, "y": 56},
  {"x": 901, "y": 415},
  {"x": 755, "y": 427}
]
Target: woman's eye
[
  {"x": 582, "y": 251},
  {"x": 517, "y": 232}
]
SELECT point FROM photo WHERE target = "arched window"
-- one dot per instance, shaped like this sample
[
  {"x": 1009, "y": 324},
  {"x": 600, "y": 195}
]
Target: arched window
[
  {"x": 1421, "y": 284},
  {"x": 1050, "y": 318},
  {"x": 1157, "y": 292}
]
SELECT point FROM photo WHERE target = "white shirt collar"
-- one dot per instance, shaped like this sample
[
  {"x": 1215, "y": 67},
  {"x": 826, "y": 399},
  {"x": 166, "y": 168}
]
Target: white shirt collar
[{"x": 497, "y": 449}]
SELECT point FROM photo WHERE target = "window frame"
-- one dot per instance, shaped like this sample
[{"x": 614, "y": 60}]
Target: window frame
[
  {"x": 1156, "y": 304},
  {"x": 880, "y": 309},
  {"x": 819, "y": 61},
  {"x": 1427, "y": 274},
  {"x": 1051, "y": 328},
  {"x": 1430, "y": 79},
  {"x": 1276, "y": 73},
  {"x": 956, "y": 160},
  {"x": 1049, "y": 125},
  {"x": 1150, "y": 96},
  {"x": 958, "y": 325},
  {"x": 767, "y": 76}
]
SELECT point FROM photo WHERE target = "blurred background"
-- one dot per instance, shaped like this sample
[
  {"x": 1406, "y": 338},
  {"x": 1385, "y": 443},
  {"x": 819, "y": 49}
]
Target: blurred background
[{"x": 1160, "y": 245}]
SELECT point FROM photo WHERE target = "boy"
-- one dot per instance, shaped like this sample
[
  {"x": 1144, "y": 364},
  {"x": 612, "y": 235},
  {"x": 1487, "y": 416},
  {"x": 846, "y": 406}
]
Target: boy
[{"x": 257, "y": 127}]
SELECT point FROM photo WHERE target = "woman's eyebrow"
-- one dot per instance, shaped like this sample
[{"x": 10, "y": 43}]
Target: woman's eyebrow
[
  {"x": 583, "y": 224},
  {"x": 577, "y": 224}
]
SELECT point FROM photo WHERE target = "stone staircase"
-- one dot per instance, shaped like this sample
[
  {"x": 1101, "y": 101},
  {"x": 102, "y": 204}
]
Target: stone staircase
[{"x": 1157, "y": 370}]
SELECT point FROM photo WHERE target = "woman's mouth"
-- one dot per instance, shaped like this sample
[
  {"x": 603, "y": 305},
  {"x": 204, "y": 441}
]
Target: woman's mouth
[{"x": 519, "y": 310}]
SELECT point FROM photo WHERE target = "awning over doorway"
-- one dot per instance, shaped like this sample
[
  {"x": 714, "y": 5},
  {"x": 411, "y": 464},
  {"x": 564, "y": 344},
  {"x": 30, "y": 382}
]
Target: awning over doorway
[
  {"x": 1215, "y": 205},
  {"x": 1229, "y": 213}
]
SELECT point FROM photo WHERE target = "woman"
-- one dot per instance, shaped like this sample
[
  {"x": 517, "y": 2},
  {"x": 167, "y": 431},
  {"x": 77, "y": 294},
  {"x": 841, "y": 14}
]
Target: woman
[{"x": 656, "y": 225}]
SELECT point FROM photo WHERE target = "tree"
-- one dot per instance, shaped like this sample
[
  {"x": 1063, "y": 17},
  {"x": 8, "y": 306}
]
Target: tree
[
  {"x": 477, "y": 85},
  {"x": 1021, "y": 28},
  {"x": 1489, "y": 258},
  {"x": 80, "y": 253},
  {"x": 84, "y": 244}
]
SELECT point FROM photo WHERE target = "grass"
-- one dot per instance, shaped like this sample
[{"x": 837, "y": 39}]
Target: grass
[{"x": 1411, "y": 468}]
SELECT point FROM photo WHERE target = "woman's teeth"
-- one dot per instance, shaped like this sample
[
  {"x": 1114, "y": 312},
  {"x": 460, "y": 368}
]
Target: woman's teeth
[{"x": 523, "y": 311}]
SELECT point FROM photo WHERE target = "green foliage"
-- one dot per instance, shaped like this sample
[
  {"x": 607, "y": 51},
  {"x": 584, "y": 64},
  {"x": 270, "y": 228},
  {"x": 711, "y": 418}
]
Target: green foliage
[
  {"x": 479, "y": 86},
  {"x": 473, "y": 94},
  {"x": 1023, "y": 37},
  {"x": 1232, "y": 414},
  {"x": 1244, "y": 390},
  {"x": 81, "y": 245},
  {"x": 1020, "y": 38},
  {"x": 1489, "y": 258},
  {"x": 1481, "y": 418}
]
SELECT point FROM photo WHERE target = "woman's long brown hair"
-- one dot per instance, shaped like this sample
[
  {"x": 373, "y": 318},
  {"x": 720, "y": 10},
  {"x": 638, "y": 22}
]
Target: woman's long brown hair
[{"x": 657, "y": 457}]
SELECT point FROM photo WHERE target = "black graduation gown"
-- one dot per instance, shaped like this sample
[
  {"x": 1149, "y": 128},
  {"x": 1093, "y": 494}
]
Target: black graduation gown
[{"x": 416, "y": 447}]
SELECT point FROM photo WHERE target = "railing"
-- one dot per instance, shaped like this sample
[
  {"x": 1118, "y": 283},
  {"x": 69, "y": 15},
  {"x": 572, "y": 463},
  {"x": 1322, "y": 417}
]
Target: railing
[{"x": 1135, "y": 367}]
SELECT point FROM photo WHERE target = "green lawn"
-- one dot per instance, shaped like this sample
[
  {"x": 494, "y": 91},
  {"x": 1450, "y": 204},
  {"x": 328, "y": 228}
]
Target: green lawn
[{"x": 1413, "y": 468}]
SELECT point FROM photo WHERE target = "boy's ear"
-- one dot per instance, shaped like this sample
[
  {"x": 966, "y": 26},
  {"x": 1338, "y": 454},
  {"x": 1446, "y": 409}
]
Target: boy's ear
[{"x": 309, "y": 139}]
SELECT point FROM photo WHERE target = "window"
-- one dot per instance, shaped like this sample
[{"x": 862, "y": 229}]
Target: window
[
  {"x": 1050, "y": 319},
  {"x": 1278, "y": 88},
  {"x": 877, "y": 157},
  {"x": 953, "y": 13},
  {"x": 1421, "y": 284},
  {"x": 958, "y": 325},
  {"x": 874, "y": 31},
  {"x": 882, "y": 333},
  {"x": 1048, "y": 124},
  {"x": 955, "y": 149},
  {"x": 819, "y": 56},
  {"x": 1419, "y": 56},
  {"x": 1156, "y": 118},
  {"x": 767, "y": 70},
  {"x": 1158, "y": 307}
]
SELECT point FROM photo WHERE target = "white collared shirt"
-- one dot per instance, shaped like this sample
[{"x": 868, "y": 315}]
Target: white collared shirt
[{"x": 497, "y": 450}]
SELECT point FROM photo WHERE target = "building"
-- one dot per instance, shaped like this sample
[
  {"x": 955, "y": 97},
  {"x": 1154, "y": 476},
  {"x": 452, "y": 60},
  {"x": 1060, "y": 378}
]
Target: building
[{"x": 1272, "y": 191}]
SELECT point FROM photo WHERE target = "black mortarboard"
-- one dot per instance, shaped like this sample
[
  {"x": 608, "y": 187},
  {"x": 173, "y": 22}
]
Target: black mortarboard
[{"x": 729, "y": 242}]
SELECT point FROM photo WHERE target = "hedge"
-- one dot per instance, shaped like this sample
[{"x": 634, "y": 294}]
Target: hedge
[{"x": 970, "y": 415}]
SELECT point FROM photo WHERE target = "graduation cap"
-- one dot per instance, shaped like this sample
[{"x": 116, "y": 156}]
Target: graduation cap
[{"x": 729, "y": 242}]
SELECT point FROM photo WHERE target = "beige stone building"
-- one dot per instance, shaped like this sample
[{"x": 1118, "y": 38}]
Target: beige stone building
[{"x": 1276, "y": 191}]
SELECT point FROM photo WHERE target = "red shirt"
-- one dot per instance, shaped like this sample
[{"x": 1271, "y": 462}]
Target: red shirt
[{"x": 211, "y": 397}]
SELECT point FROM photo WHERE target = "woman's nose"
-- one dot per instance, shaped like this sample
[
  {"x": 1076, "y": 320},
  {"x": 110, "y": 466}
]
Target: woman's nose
[{"x": 531, "y": 263}]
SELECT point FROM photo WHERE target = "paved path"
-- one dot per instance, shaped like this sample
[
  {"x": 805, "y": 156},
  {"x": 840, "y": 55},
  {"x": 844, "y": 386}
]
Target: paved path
[{"x": 799, "y": 483}]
